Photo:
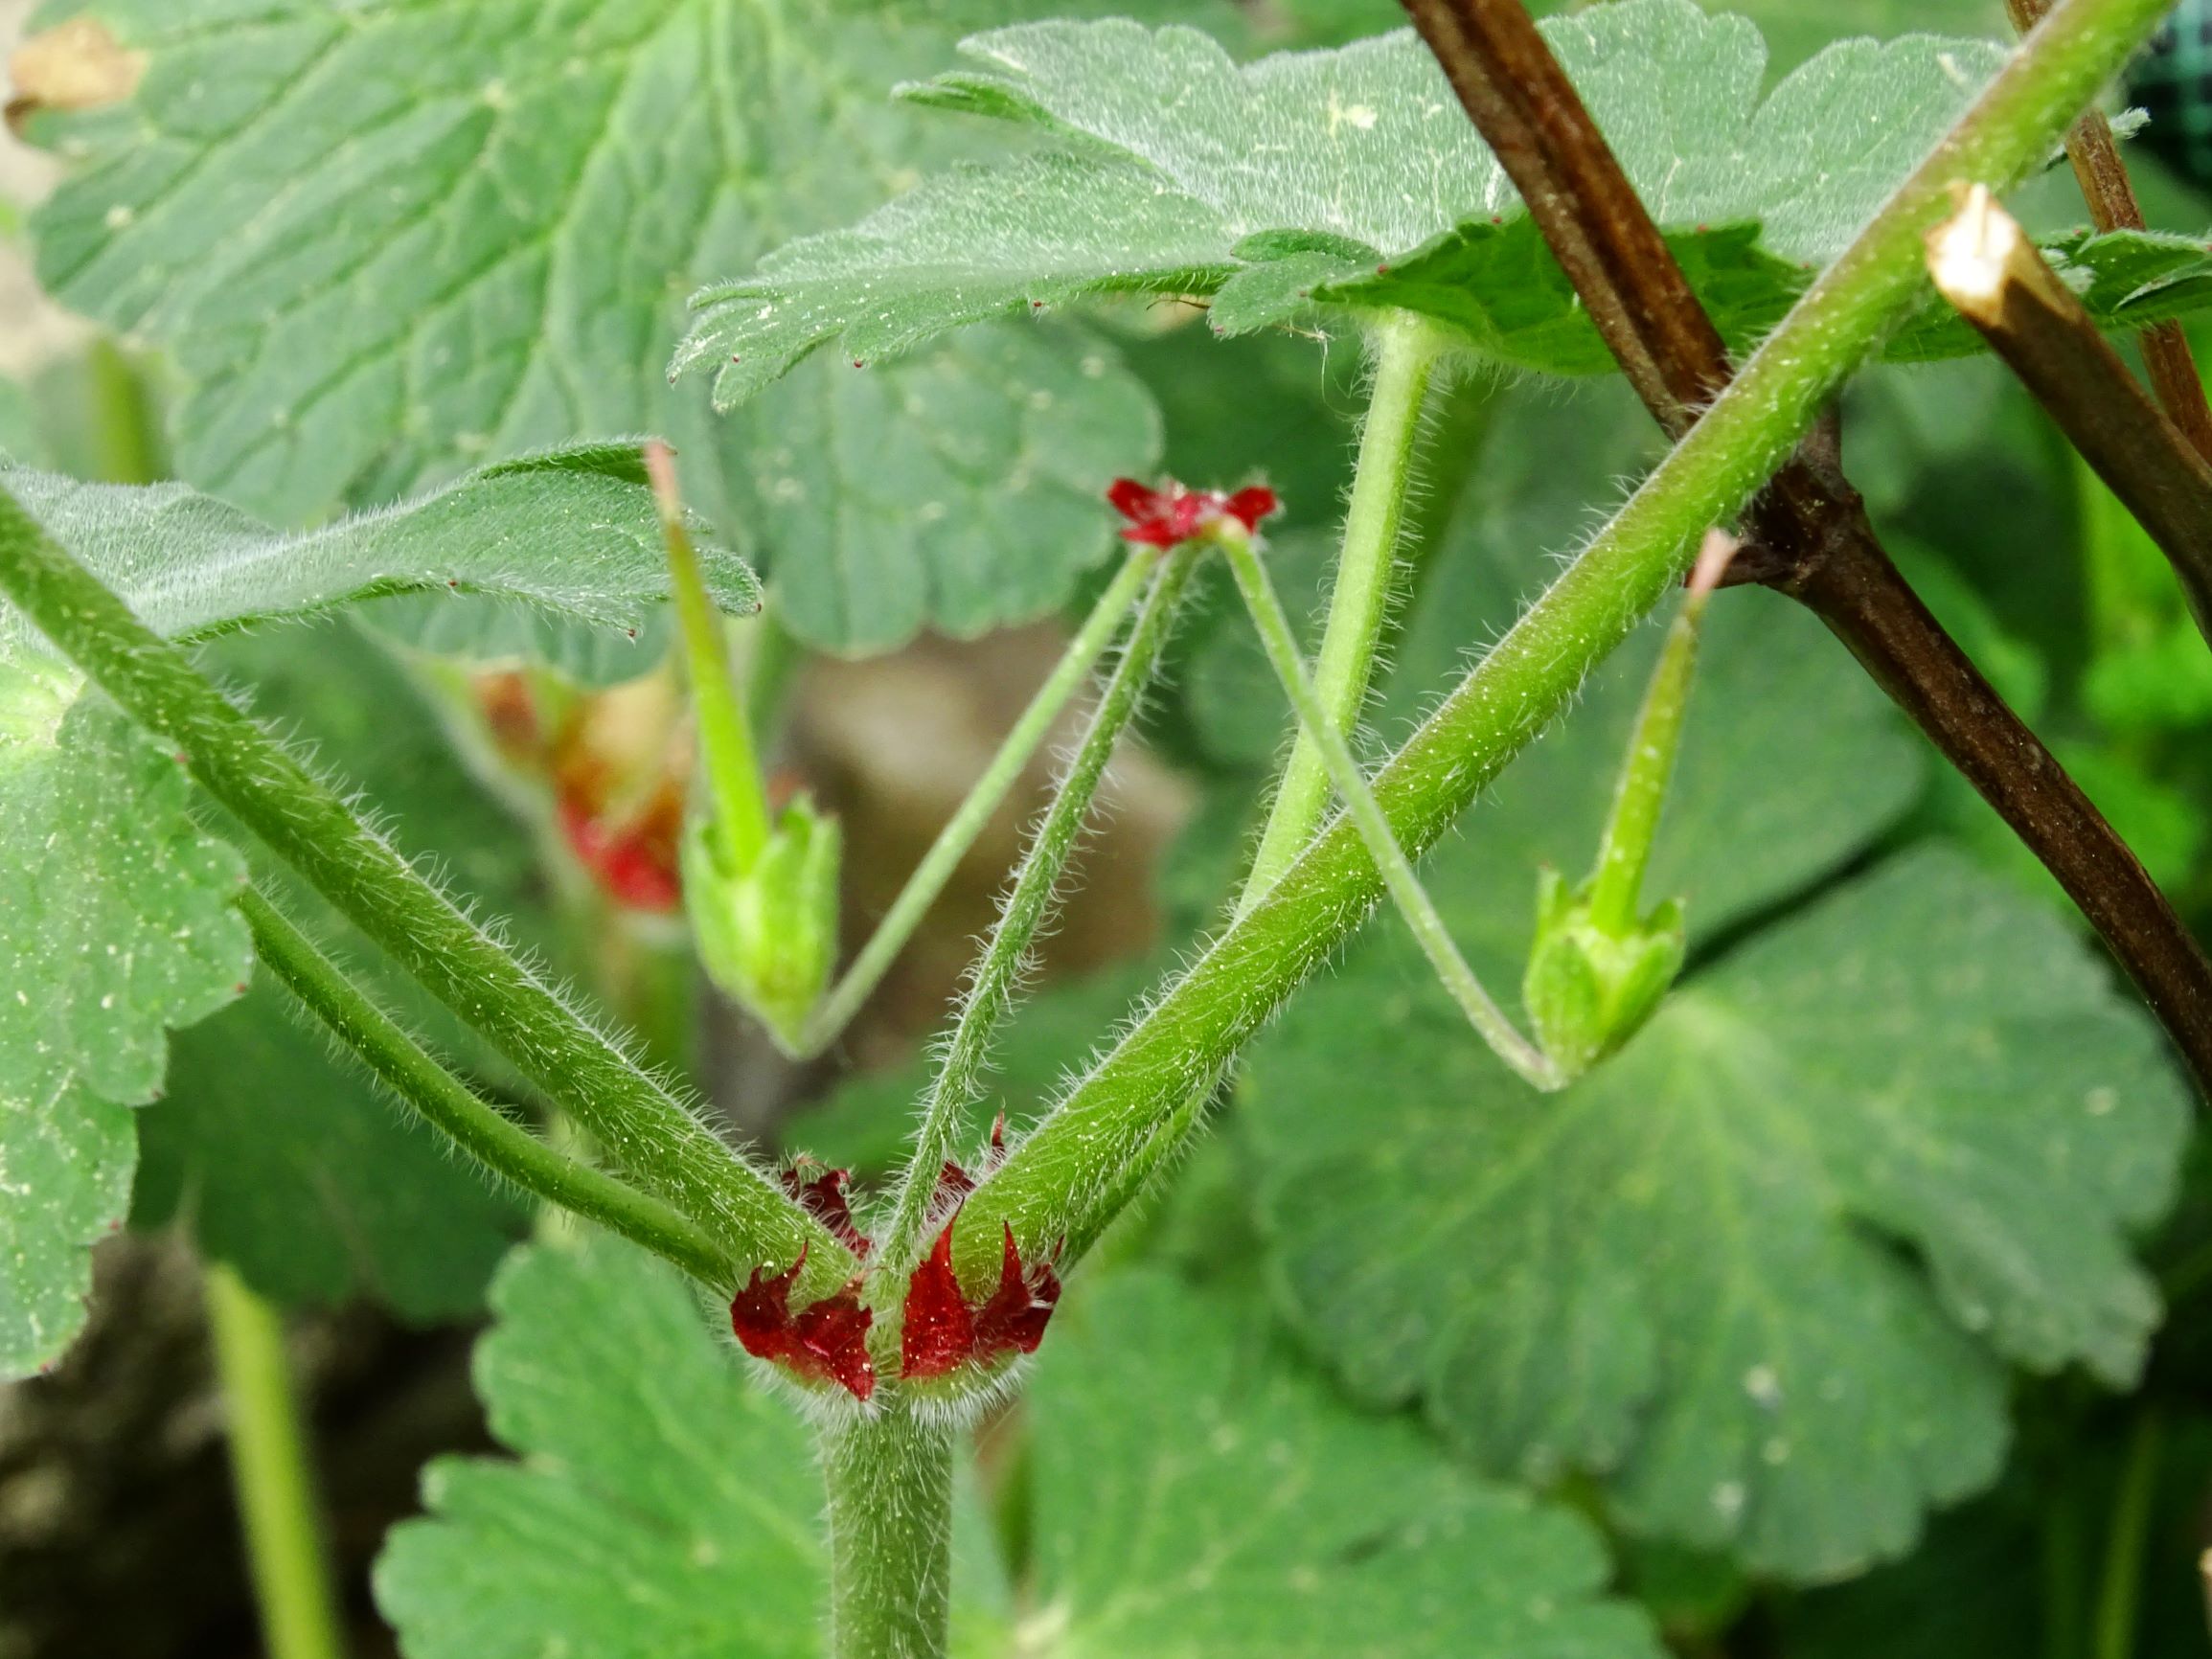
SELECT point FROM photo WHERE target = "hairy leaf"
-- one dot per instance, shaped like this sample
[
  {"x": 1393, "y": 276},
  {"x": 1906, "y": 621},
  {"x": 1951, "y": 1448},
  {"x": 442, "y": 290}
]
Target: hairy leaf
[
  {"x": 664, "y": 1503},
  {"x": 1351, "y": 179},
  {"x": 387, "y": 241},
  {"x": 570, "y": 533},
  {"x": 116, "y": 922},
  {"x": 1762, "y": 1270},
  {"x": 1199, "y": 1494},
  {"x": 115, "y": 909}
]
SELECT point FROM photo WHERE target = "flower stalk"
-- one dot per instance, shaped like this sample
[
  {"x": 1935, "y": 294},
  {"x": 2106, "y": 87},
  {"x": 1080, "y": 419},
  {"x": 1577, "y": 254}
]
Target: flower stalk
[
  {"x": 1408, "y": 350},
  {"x": 998, "y": 973},
  {"x": 1069, "y": 674},
  {"x": 643, "y": 1129},
  {"x": 503, "y": 1147},
  {"x": 1490, "y": 1021},
  {"x": 287, "y": 1544},
  {"x": 1129, "y": 1116}
]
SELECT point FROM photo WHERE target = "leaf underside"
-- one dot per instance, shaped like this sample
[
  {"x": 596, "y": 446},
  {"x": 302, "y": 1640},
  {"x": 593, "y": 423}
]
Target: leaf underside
[{"x": 1350, "y": 181}]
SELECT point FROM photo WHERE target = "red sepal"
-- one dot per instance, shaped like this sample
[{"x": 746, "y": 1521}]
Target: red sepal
[
  {"x": 1171, "y": 515},
  {"x": 937, "y": 1332},
  {"x": 824, "y": 1198},
  {"x": 941, "y": 1332},
  {"x": 828, "y": 1340},
  {"x": 1015, "y": 1315}
]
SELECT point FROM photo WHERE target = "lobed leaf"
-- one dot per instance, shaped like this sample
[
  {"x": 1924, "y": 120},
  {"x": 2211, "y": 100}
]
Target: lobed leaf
[
  {"x": 1350, "y": 179},
  {"x": 1198, "y": 1493},
  {"x": 116, "y": 919},
  {"x": 663, "y": 1503},
  {"x": 1761, "y": 1271},
  {"x": 384, "y": 242},
  {"x": 116, "y": 922}
]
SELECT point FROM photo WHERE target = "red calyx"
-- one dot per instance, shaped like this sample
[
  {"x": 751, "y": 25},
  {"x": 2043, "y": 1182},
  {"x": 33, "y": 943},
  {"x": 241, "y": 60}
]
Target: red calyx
[
  {"x": 1171, "y": 515},
  {"x": 824, "y": 1198},
  {"x": 828, "y": 1340},
  {"x": 942, "y": 1330}
]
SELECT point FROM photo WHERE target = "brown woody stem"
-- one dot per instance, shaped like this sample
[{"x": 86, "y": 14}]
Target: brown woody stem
[
  {"x": 1989, "y": 269},
  {"x": 2110, "y": 193},
  {"x": 1808, "y": 531}
]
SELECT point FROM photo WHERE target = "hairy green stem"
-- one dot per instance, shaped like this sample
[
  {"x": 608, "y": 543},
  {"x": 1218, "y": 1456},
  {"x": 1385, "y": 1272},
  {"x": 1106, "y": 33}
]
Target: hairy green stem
[
  {"x": 643, "y": 1129},
  {"x": 740, "y": 821},
  {"x": 2120, "y": 1590},
  {"x": 270, "y": 1473},
  {"x": 504, "y": 1147},
  {"x": 998, "y": 973},
  {"x": 890, "y": 1487},
  {"x": 1413, "y": 902},
  {"x": 1633, "y": 825},
  {"x": 1068, "y": 676},
  {"x": 1408, "y": 350},
  {"x": 1129, "y": 1113}
]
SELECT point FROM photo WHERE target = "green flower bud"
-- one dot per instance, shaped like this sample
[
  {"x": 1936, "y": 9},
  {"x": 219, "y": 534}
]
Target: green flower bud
[
  {"x": 1589, "y": 989},
  {"x": 768, "y": 935}
]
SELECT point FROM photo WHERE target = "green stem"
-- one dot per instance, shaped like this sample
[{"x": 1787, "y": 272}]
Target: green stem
[
  {"x": 959, "y": 834},
  {"x": 740, "y": 804},
  {"x": 1625, "y": 847},
  {"x": 1412, "y": 899},
  {"x": 2119, "y": 1593},
  {"x": 1128, "y": 1115},
  {"x": 504, "y": 1147},
  {"x": 643, "y": 1129},
  {"x": 1409, "y": 348},
  {"x": 125, "y": 427},
  {"x": 998, "y": 974},
  {"x": 890, "y": 1485},
  {"x": 269, "y": 1469}
]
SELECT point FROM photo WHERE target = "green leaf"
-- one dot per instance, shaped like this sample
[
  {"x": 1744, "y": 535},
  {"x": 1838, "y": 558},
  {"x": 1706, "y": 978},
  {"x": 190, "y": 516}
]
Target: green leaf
[
  {"x": 383, "y": 242},
  {"x": 1166, "y": 171},
  {"x": 116, "y": 919},
  {"x": 116, "y": 922},
  {"x": 571, "y": 533},
  {"x": 1761, "y": 1271},
  {"x": 665, "y": 1504},
  {"x": 1197, "y": 1492},
  {"x": 287, "y": 1165}
]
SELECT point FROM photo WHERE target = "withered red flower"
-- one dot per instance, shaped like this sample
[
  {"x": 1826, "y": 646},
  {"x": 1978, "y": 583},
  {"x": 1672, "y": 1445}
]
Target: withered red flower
[
  {"x": 941, "y": 1332},
  {"x": 827, "y": 1340},
  {"x": 823, "y": 1198},
  {"x": 635, "y": 863},
  {"x": 1171, "y": 515}
]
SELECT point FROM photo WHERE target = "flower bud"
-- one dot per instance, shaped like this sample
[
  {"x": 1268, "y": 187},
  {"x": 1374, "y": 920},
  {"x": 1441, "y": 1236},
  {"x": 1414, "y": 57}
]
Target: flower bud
[
  {"x": 768, "y": 935},
  {"x": 1588, "y": 989}
]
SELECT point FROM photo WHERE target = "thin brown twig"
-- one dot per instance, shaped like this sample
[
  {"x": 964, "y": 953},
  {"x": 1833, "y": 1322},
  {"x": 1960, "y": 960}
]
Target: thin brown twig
[
  {"x": 2110, "y": 193},
  {"x": 1991, "y": 272},
  {"x": 1810, "y": 534}
]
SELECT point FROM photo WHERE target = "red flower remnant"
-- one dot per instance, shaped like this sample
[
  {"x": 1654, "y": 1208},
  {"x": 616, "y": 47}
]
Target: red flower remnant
[
  {"x": 1171, "y": 515},
  {"x": 635, "y": 863},
  {"x": 823, "y": 1198},
  {"x": 827, "y": 1340},
  {"x": 941, "y": 1331}
]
